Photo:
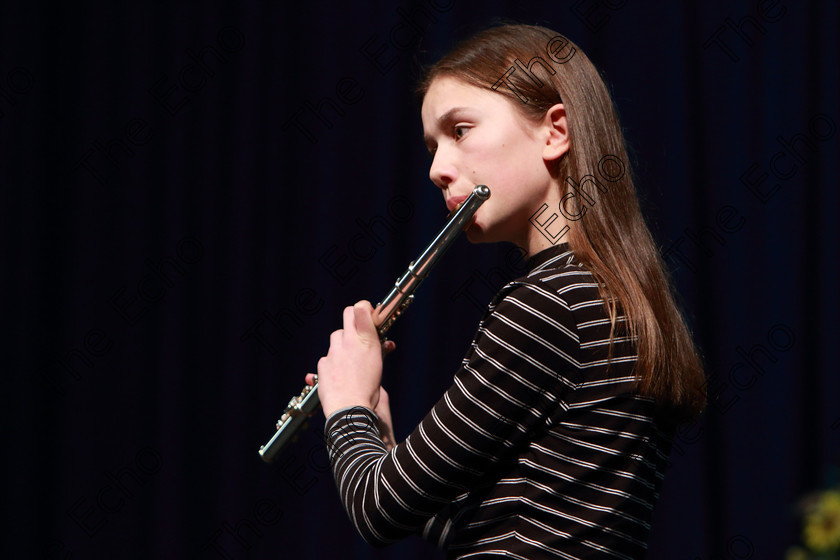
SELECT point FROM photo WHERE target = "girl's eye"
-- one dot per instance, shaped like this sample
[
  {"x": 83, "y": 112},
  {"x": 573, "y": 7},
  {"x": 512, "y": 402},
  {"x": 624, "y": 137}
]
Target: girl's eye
[{"x": 459, "y": 131}]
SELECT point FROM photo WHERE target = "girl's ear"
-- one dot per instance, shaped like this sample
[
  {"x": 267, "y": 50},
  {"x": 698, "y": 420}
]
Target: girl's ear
[{"x": 557, "y": 137}]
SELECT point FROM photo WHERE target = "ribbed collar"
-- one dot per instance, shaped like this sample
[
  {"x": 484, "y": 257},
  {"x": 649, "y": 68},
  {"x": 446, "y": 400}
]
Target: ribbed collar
[{"x": 548, "y": 257}]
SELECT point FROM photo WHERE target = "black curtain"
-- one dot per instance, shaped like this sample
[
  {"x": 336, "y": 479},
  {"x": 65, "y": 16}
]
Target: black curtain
[{"x": 192, "y": 193}]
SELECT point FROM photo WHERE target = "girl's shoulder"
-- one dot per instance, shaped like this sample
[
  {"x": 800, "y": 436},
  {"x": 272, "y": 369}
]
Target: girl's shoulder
[
  {"x": 557, "y": 285},
  {"x": 558, "y": 271}
]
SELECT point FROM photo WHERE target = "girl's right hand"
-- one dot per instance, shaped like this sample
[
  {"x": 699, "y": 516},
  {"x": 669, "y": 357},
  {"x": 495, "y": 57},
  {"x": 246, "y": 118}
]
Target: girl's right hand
[{"x": 383, "y": 412}]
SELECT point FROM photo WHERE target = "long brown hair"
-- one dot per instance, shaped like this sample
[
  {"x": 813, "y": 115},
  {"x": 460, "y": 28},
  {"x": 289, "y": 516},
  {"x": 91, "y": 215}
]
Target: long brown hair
[{"x": 612, "y": 239}]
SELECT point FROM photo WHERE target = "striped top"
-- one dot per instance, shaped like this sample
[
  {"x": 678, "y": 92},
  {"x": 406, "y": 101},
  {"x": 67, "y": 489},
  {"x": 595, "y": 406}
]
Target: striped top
[{"x": 537, "y": 450}]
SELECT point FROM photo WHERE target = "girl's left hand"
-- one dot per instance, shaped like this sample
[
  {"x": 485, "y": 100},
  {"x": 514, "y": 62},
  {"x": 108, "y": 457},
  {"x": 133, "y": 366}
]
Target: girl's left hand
[{"x": 351, "y": 372}]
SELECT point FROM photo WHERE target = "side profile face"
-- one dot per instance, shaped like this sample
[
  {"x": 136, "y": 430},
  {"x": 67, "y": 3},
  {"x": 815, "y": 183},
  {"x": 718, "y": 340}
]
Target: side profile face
[{"x": 478, "y": 137}]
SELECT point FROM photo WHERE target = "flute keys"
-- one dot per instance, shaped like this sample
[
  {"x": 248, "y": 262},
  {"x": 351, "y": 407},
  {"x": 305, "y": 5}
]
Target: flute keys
[{"x": 294, "y": 407}]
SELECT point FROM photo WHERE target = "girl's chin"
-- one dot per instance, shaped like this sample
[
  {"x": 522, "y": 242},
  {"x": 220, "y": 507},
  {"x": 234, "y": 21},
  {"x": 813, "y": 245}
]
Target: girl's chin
[
  {"x": 472, "y": 234},
  {"x": 476, "y": 234}
]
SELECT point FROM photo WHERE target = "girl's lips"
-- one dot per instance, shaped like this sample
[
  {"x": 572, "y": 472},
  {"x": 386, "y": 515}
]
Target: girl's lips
[{"x": 453, "y": 202}]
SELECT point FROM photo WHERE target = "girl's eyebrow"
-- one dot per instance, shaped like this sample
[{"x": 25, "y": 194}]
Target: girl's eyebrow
[{"x": 443, "y": 120}]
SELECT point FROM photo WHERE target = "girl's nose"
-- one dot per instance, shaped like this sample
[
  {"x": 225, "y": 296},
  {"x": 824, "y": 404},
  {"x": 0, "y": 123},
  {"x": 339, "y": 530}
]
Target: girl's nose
[{"x": 443, "y": 171}]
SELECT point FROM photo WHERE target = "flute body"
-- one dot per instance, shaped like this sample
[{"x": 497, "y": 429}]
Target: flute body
[{"x": 384, "y": 315}]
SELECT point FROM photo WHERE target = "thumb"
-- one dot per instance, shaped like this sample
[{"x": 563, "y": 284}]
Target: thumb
[{"x": 363, "y": 315}]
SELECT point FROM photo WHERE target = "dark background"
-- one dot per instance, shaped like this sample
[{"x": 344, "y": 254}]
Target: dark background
[{"x": 162, "y": 303}]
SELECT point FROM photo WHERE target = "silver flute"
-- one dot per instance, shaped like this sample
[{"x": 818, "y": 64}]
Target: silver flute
[{"x": 384, "y": 315}]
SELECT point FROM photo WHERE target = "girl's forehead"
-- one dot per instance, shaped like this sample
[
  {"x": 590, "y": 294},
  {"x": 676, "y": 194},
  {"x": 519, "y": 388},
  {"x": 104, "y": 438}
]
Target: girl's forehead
[
  {"x": 446, "y": 92},
  {"x": 445, "y": 86}
]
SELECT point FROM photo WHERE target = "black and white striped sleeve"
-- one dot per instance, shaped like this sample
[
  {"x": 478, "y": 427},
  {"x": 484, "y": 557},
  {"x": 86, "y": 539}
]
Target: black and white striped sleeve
[{"x": 515, "y": 375}]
